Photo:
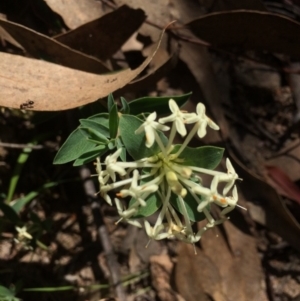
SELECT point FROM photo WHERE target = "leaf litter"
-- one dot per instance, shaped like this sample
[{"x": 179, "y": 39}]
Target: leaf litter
[{"x": 228, "y": 264}]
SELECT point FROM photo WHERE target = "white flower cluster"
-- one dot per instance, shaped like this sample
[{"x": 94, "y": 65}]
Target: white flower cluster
[
  {"x": 166, "y": 175},
  {"x": 23, "y": 238}
]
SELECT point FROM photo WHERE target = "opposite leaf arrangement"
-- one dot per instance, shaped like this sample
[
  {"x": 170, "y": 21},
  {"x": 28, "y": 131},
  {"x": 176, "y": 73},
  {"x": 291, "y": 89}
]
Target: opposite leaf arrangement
[{"x": 160, "y": 175}]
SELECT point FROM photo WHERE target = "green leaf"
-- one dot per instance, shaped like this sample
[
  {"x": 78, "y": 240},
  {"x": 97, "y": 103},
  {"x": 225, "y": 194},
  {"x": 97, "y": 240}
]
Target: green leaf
[
  {"x": 204, "y": 156},
  {"x": 9, "y": 213},
  {"x": 125, "y": 107},
  {"x": 113, "y": 121},
  {"x": 7, "y": 294},
  {"x": 110, "y": 102},
  {"x": 22, "y": 159},
  {"x": 158, "y": 104},
  {"x": 49, "y": 289},
  {"x": 112, "y": 144},
  {"x": 74, "y": 146},
  {"x": 153, "y": 203},
  {"x": 101, "y": 118},
  {"x": 91, "y": 155},
  {"x": 96, "y": 126},
  {"x": 191, "y": 207},
  {"x": 21, "y": 202},
  {"x": 120, "y": 144},
  {"x": 135, "y": 144},
  {"x": 93, "y": 136},
  {"x": 5, "y": 291}
]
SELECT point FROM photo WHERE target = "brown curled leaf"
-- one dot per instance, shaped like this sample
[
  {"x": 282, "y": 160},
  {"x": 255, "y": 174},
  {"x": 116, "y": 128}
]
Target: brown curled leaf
[
  {"x": 43, "y": 47},
  {"x": 50, "y": 87}
]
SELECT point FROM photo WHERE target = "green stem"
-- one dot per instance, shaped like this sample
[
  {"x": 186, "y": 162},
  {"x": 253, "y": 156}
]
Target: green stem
[
  {"x": 160, "y": 144},
  {"x": 161, "y": 215},
  {"x": 171, "y": 137},
  {"x": 187, "y": 139},
  {"x": 185, "y": 215}
]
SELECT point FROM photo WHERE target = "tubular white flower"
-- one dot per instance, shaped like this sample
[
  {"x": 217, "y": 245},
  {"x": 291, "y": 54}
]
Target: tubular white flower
[
  {"x": 134, "y": 222},
  {"x": 155, "y": 232},
  {"x": 210, "y": 195},
  {"x": 98, "y": 165},
  {"x": 126, "y": 214},
  {"x": 140, "y": 193},
  {"x": 104, "y": 195},
  {"x": 230, "y": 177},
  {"x": 177, "y": 116},
  {"x": 149, "y": 127},
  {"x": 112, "y": 166},
  {"x": 190, "y": 238},
  {"x": 231, "y": 201},
  {"x": 183, "y": 171},
  {"x": 174, "y": 184},
  {"x": 202, "y": 121},
  {"x": 23, "y": 234},
  {"x": 103, "y": 176}
]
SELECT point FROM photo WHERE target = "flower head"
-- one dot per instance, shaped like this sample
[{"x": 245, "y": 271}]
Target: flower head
[
  {"x": 23, "y": 234},
  {"x": 168, "y": 178}
]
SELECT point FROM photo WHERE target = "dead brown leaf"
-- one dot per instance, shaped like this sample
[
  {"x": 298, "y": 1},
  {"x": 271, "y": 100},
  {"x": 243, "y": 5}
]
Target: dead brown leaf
[
  {"x": 238, "y": 262},
  {"x": 43, "y": 47},
  {"x": 161, "y": 268},
  {"x": 222, "y": 270},
  {"x": 253, "y": 30},
  {"x": 52, "y": 87},
  {"x": 104, "y": 36},
  {"x": 196, "y": 276},
  {"x": 76, "y": 13}
]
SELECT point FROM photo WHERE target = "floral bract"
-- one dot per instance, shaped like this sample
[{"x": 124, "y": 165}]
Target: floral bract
[{"x": 167, "y": 177}]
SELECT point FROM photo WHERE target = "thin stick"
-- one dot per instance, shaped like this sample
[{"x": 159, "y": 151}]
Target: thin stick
[{"x": 15, "y": 145}]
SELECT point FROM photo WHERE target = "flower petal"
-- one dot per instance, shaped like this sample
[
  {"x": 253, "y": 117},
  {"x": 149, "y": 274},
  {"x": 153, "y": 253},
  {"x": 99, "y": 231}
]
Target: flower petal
[
  {"x": 180, "y": 127},
  {"x": 173, "y": 106}
]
